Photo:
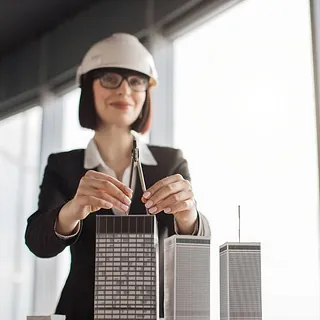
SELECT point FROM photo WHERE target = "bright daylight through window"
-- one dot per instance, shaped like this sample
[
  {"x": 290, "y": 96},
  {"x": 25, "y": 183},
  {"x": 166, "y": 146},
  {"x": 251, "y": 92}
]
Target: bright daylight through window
[{"x": 245, "y": 119}]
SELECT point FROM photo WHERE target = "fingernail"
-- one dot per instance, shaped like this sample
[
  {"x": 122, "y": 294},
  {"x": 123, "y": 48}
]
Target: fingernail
[
  {"x": 126, "y": 200},
  {"x": 128, "y": 190},
  {"x": 167, "y": 210},
  {"x": 108, "y": 204},
  {"x": 149, "y": 204},
  {"x": 153, "y": 210},
  {"x": 124, "y": 207},
  {"x": 147, "y": 194}
]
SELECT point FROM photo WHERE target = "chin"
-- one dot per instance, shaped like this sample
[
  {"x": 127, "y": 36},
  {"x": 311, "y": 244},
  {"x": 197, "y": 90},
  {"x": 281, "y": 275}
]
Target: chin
[
  {"x": 122, "y": 124},
  {"x": 125, "y": 120}
]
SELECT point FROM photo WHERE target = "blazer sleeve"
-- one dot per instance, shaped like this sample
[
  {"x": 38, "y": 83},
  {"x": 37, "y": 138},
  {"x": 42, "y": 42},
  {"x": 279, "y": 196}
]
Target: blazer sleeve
[
  {"x": 40, "y": 236},
  {"x": 183, "y": 169}
]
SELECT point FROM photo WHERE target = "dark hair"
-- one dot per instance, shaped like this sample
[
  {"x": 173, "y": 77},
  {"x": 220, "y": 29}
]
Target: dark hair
[{"x": 88, "y": 117}]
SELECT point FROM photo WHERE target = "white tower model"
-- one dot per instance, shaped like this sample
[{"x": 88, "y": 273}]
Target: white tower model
[
  {"x": 187, "y": 278},
  {"x": 240, "y": 281}
]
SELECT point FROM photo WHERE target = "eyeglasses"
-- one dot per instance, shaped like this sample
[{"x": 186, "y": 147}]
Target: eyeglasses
[{"x": 113, "y": 80}]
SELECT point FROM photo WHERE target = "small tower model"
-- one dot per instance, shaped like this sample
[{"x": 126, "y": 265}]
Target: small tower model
[
  {"x": 187, "y": 278},
  {"x": 240, "y": 281}
]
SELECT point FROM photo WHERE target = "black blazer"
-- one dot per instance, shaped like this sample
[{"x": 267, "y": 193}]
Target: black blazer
[{"x": 60, "y": 182}]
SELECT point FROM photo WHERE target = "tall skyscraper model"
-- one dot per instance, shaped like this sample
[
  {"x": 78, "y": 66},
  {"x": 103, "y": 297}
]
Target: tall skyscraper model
[{"x": 126, "y": 268}]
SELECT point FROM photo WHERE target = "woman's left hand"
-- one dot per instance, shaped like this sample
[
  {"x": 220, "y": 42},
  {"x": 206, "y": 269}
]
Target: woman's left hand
[{"x": 172, "y": 195}]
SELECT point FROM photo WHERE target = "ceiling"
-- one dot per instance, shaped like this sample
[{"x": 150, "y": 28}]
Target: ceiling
[{"x": 24, "y": 20}]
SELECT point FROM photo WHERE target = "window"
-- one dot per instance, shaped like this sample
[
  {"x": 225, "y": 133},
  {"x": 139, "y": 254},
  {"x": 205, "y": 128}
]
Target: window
[
  {"x": 245, "y": 119},
  {"x": 73, "y": 135},
  {"x": 19, "y": 184}
]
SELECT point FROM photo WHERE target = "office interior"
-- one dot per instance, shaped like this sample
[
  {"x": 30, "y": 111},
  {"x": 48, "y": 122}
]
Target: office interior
[{"x": 238, "y": 92}]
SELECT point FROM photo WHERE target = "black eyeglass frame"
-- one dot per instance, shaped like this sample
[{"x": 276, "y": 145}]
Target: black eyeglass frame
[{"x": 125, "y": 74}]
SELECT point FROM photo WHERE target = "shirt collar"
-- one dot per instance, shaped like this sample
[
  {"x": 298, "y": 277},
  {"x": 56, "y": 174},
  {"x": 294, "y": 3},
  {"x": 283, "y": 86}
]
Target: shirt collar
[{"x": 93, "y": 159}]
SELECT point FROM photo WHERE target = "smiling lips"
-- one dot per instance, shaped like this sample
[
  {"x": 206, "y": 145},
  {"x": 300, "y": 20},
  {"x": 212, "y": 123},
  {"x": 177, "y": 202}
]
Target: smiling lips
[{"x": 122, "y": 105}]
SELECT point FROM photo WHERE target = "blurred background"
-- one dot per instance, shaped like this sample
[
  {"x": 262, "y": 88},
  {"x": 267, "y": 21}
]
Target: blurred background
[{"x": 238, "y": 94}]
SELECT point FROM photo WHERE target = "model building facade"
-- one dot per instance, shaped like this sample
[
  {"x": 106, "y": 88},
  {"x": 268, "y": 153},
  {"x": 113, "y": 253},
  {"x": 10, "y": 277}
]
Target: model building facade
[
  {"x": 126, "y": 268},
  {"x": 240, "y": 281},
  {"x": 187, "y": 278}
]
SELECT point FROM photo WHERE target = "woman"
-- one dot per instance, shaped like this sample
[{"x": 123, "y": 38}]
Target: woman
[{"x": 115, "y": 76}]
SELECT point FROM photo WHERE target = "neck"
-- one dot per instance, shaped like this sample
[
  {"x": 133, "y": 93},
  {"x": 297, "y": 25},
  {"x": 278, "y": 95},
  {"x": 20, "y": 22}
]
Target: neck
[{"x": 115, "y": 146}]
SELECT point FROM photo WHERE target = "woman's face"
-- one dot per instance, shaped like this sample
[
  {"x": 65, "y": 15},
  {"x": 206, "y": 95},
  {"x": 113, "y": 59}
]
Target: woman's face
[{"x": 119, "y": 106}]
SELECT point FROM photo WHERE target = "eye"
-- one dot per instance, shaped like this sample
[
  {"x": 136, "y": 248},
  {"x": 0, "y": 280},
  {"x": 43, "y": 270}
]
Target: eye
[
  {"x": 111, "y": 78},
  {"x": 138, "y": 81}
]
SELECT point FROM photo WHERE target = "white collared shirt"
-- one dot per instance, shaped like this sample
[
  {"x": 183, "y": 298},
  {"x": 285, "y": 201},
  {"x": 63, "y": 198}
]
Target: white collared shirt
[{"x": 93, "y": 159}]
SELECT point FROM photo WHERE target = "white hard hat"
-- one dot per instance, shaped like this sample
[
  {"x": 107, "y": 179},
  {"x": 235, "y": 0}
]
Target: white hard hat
[{"x": 121, "y": 50}]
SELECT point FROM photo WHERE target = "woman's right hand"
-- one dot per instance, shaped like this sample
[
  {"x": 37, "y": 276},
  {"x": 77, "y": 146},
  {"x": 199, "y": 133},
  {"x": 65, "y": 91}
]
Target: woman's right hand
[{"x": 96, "y": 190}]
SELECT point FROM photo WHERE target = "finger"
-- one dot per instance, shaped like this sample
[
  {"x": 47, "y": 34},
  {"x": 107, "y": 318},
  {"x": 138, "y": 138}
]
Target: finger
[
  {"x": 166, "y": 191},
  {"x": 100, "y": 194},
  {"x": 180, "y": 207},
  {"x": 108, "y": 187},
  {"x": 116, "y": 182},
  {"x": 160, "y": 184},
  {"x": 170, "y": 201},
  {"x": 94, "y": 202}
]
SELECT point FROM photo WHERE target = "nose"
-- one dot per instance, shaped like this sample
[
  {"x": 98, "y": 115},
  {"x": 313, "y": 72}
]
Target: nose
[{"x": 124, "y": 88}]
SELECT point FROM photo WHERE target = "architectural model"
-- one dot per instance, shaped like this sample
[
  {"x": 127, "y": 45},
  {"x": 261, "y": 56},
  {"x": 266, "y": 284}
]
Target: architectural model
[
  {"x": 187, "y": 278},
  {"x": 126, "y": 268},
  {"x": 240, "y": 281}
]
